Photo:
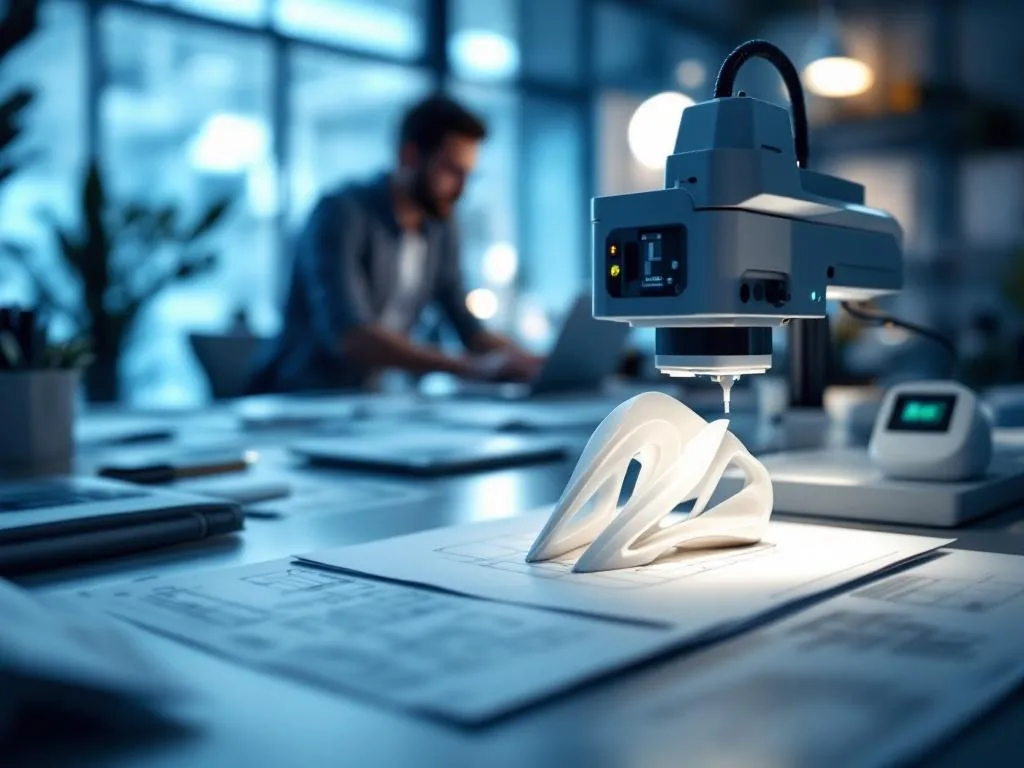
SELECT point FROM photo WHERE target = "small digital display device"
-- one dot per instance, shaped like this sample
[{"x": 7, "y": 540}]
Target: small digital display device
[
  {"x": 933, "y": 431},
  {"x": 922, "y": 412}
]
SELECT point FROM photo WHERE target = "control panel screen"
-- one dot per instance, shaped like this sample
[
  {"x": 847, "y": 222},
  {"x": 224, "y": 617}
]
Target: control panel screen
[
  {"x": 922, "y": 413},
  {"x": 646, "y": 261}
]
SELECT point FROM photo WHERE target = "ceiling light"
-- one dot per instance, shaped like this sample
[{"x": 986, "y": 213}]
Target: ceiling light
[
  {"x": 833, "y": 71},
  {"x": 229, "y": 144},
  {"x": 653, "y": 128},
  {"x": 482, "y": 53},
  {"x": 361, "y": 24},
  {"x": 691, "y": 74}
]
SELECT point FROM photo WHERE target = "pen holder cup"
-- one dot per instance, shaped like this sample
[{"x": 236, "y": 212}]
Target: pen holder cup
[{"x": 37, "y": 409}]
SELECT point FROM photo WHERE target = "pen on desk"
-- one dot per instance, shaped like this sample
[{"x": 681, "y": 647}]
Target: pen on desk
[{"x": 154, "y": 474}]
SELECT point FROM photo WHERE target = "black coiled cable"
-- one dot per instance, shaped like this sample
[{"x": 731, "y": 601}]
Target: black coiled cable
[{"x": 762, "y": 49}]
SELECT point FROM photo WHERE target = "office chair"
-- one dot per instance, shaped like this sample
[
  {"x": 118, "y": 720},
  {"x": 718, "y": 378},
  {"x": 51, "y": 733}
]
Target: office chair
[{"x": 227, "y": 360}]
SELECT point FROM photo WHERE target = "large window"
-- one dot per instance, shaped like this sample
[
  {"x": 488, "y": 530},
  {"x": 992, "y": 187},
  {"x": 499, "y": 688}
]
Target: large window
[
  {"x": 386, "y": 27},
  {"x": 556, "y": 247},
  {"x": 484, "y": 39},
  {"x": 185, "y": 116},
  {"x": 487, "y": 213},
  {"x": 252, "y": 12},
  {"x": 627, "y": 50},
  {"x": 274, "y": 102},
  {"x": 344, "y": 125}
]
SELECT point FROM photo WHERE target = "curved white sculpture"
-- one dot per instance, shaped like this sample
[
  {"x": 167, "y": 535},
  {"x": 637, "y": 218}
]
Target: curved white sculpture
[{"x": 682, "y": 458}]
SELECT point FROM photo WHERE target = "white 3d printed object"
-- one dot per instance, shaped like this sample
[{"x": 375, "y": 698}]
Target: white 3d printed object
[{"x": 682, "y": 458}]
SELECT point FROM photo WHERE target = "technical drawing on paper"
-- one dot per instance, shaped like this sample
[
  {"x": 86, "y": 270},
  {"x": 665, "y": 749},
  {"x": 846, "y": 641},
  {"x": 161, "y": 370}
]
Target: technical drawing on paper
[
  {"x": 775, "y": 707},
  {"x": 297, "y": 580},
  {"x": 399, "y": 640},
  {"x": 508, "y": 553},
  {"x": 967, "y": 595},
  {"x": 889, "y": 632},
  {"x": 209, "y": 610}
]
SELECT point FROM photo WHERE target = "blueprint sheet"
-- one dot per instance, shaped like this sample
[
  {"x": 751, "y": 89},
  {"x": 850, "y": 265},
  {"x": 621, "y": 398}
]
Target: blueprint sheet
[
  {"x": 447, "y": 655},
  {"x": 874, "y": 677},
  {"x": 694, "y": 592}
]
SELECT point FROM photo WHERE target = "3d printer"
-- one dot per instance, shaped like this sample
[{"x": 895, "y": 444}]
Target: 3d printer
[{"x": 742, "y": 239}]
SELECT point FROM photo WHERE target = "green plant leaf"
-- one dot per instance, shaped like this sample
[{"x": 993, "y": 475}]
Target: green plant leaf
[
  {"x": 12, "y": 106},
  {"x": 186, "y": 269},
  {"x": 164, "y": 221},
  {"x": 209, "y": 219},
  {"x": 69, "y": 249},
  {"x": 97, "y": 248},
  {"x": 17, "y": 24},
  {"x": 69, "y": 246},
  {"x": 12, "y": 166},
  {"x": 9, "y": 134},
  {"x": 15, "y": 250},
  {"x": 46, "y": 296},
  {"x": 195, "y": 266},
  {"x": 93, "y": 197},
  {"x": 6, "y": 171},
  {"x": 10, "y": 114},
  {"x": 133, "y": 213}
]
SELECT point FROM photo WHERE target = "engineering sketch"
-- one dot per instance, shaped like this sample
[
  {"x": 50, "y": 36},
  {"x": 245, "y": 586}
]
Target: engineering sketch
[
  {"x": 507, "y": 553},
  {"x": 206, "y": 609},
  {"x": 889, "y": 632},
  {"x": 297, "y": 580},
  {"x": 967, "y": 595}
]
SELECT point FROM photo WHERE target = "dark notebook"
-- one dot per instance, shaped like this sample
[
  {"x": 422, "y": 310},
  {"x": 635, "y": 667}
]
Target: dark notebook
[{"x": 60, "y": 521}]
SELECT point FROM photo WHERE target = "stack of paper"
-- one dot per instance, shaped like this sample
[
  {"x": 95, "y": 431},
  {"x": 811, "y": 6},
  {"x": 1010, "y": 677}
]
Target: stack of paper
[
  {"x": 473, "y": 660},
  {"x": 873, "y": 677},
  {"x": 690, "y": 592},
  {"x": 468, "y": 660}
]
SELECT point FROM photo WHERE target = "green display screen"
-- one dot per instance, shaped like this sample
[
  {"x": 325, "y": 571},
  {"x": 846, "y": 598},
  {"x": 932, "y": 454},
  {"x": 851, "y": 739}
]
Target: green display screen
[{"x": 922, "y": 413}]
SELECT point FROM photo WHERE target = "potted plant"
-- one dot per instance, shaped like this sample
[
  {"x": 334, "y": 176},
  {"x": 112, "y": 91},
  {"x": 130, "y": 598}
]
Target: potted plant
[
  {"x": 38, "y": 381},
  {"x": 120, "y": 256}
]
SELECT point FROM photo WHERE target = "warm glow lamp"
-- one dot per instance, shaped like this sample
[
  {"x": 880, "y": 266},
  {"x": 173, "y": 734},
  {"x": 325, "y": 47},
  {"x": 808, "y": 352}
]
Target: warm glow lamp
[{"x": 833, "y": 72}]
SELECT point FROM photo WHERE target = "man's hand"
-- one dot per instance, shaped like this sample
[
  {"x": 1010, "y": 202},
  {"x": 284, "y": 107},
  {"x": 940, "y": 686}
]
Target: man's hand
[{"x": 504, "y": 365}]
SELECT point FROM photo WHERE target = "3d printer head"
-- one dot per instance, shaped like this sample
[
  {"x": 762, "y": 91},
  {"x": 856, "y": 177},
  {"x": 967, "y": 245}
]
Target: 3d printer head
[{"x": 740, "y": 240}]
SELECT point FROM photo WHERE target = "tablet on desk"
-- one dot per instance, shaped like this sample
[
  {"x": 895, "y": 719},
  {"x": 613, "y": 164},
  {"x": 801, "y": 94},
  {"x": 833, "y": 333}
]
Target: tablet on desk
[
  {"x": 59, "y": 521},
  {"x": 430, "y": 453}
]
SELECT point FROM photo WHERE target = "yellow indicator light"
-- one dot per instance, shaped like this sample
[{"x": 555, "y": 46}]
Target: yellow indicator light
[
  {"x": 614, "y": 270},
  {"x": 613, "y": 250}
]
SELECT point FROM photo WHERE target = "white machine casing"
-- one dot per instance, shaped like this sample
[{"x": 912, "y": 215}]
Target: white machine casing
[{"x": 960, "y": 452}]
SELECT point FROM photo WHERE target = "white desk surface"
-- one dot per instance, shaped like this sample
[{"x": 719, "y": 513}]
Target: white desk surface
[{"x": 243, "y": 717}]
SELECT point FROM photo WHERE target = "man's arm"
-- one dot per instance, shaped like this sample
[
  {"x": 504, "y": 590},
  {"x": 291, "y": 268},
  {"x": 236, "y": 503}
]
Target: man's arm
[
  {"x": 378, "y": 347},
  {"x": 338, "y": 291}
]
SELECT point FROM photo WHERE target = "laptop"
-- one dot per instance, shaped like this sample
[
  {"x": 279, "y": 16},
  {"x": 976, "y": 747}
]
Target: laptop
[
  {"x": 428, "y": 451},
  {"x": 586, "y": 352},
  {"x": 51, "y": 522}
]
